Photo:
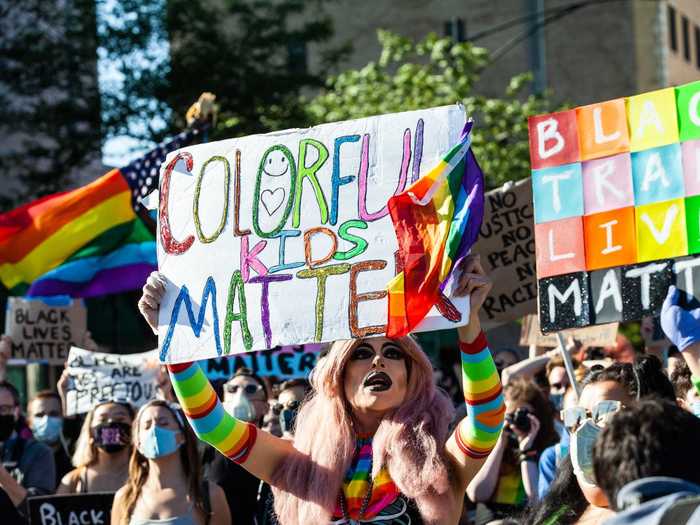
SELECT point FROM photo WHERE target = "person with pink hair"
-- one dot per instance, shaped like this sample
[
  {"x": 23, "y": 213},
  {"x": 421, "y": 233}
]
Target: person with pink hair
[{"x": 371, "y": 443}]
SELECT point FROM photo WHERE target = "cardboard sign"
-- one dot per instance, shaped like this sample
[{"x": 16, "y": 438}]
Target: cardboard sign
[
  {"x": 507, "y": 249},
  {"x": 44, "y": 331},
  {"x": 601, "y": 335},
  {"x": 74, "y": 509},
  {"x": 285, "y": 238},
  {"x": 96, "y": 377},
  {"x": 288, "y": 362},
  {"x": 617, "y": 213}
]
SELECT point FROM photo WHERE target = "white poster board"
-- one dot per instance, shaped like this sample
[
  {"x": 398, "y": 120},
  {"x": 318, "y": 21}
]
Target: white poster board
[
  {"x": 97, "y": 376},
  {"x": 285, "y": 238}
]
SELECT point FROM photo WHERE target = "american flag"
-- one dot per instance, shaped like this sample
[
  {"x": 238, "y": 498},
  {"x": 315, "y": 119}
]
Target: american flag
[{"x": 142, "y": 173}]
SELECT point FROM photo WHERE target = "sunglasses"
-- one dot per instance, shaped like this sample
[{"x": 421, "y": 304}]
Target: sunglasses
[
  {"x": 277, "y": 408},
  {"x": 249, "y": 389},
  {"x": 601, "y": 414}
]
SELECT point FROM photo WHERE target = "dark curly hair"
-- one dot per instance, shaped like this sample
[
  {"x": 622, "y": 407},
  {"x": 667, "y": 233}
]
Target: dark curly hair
[
  {"x": 652, "y": 438},
  {"x": 643, "y": 378}
]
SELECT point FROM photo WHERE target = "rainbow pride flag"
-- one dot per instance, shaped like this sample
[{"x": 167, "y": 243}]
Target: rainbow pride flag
[
  {"x": 436, "y": 220},
  {"x": 89, "y": 241},
  {"x": 41, "y": 235}
]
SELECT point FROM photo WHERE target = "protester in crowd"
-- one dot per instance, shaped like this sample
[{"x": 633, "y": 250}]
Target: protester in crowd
[
  {"x": 101, "y": 456},
  {"x": 509, "y": 477},
  {"x": 605, "y": 391},
  {"x": 27, "y": 467},
  {"x": 291, "y": 396},
  {"x": 687, "y": 395},
  {"x": 553, "y": 455},
  {"x": 45, "y": 418},
  {"x": 646, "y": 461},
  {"x": 374, "y": 409},
  {"x": 165, "y": 483},
  {"x": 244, "y": 397}
]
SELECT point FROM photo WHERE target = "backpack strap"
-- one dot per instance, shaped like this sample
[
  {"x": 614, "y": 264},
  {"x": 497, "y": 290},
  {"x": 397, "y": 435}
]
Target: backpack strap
[{"x": 680, "y": 511}]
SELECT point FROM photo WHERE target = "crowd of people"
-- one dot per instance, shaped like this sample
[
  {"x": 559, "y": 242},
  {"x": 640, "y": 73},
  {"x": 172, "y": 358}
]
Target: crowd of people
[{"x": 376, "y": 436}]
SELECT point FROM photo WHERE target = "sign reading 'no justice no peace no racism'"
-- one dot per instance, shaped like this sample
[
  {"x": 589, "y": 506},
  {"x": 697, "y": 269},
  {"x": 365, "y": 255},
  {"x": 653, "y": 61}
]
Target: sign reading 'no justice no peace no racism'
[
  {"x": 286, "y": 238},
  {"x": 616, "y": 188}
]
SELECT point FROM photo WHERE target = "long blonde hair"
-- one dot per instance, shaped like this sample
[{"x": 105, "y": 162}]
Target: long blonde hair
[
  {"x": 139, "y": 466},
  {"x": 410, "y": 442}
]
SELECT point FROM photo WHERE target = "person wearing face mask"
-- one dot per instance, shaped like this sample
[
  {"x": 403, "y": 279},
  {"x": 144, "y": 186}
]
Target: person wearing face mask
[
  {"x": 372, "y": 444},
  {"x": 164, "y": 484},
  {"x": 605, "y": 391},
  {"x": 102, "y": 453},
  {"x": 27, "y": 467},
  {"x": 245, "y": 397},
  {"x": 292, "y": 394},
  {"x": 45, "y": 419}
]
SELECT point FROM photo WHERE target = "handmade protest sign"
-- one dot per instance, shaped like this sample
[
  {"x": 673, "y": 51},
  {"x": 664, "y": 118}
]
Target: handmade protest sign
[
  {"x": 285, "y": 238},
  {"x": 74, "y": 509},
  {"x": 616, "y": 190},
  {"x": 599, "y": 335},
  {"x": 44, "y": 331},
  {"x": 287, "y": 362},
  {"x": 507, "y": 248},
  {"x": 97, "y": 376}
]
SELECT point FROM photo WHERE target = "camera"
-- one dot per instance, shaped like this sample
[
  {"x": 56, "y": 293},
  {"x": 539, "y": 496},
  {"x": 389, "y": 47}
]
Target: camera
[{"x": 519, "y": 419}]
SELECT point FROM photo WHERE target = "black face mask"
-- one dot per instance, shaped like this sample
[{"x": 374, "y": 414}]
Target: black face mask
[
  {"x": 112, "y": 437},
  {"x": 7, "y": 426}
]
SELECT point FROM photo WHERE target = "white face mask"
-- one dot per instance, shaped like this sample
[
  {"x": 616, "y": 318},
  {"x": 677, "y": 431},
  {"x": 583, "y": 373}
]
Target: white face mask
[
  {"x": 581, "y": 446},
  {"x": 241, "y": 408}
]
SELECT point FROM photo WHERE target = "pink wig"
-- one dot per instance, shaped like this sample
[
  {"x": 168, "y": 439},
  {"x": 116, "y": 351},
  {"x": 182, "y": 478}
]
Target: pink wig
[{"x": 410, "y": 441}]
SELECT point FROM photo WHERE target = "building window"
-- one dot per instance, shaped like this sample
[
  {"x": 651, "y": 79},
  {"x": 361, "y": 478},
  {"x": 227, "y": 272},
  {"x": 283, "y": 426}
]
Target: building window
[
  {"x": 455, "y": 29},
  {"x": 697, "y": 47},
  {"x": 672, "y": 34},
  {"x": 686, "y": 38}
]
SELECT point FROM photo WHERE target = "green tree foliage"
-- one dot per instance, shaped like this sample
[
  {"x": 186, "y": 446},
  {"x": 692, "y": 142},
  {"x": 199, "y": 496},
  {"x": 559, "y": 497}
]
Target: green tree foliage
[
  {"x": 49, "y": 99},
  {"x": 433, "y": 72},
  {"x": 250, "y": 53}
]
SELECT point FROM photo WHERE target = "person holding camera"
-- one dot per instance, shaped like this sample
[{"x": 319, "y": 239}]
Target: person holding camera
[{"x": 508, "y": 479}]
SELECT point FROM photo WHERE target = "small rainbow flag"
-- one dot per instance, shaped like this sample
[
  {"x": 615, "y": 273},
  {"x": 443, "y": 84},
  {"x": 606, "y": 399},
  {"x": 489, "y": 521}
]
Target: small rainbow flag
[
  {"x": 436, "y": 220},
  {"x": 85, "y": 242}
]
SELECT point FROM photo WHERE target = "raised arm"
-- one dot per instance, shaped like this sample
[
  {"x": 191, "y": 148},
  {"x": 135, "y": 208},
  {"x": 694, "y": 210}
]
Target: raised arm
[
  {"x": 257, "y": 451},
  {"x": 477, "y": 434}
]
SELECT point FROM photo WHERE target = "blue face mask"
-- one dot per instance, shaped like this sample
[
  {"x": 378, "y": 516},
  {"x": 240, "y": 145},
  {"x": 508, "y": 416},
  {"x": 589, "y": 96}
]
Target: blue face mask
[
  {"x": 157, "y": 442},
  {"x": 47, "y": 428},
  {"x": 557, "y": 401},
  {"x": 695, "y": 408}
]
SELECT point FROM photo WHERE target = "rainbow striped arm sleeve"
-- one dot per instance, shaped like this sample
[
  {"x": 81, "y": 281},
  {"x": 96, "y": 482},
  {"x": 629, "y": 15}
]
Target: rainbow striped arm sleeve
[
  {"x": 212, "y": 424},
  {"x": 478, "y": 432}
]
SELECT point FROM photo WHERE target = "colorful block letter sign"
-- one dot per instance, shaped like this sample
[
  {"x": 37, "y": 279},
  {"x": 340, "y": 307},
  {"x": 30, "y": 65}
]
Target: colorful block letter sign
[{"x": 616, "y": 191}]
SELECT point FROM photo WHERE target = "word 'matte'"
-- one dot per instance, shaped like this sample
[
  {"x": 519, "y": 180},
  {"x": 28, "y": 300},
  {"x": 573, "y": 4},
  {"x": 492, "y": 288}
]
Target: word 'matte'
[{"x": 616, "y": 188}]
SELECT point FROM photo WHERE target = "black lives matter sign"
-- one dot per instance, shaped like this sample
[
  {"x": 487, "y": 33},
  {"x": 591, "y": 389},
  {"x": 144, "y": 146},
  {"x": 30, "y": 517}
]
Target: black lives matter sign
[
  {"x": 74, "y": 509},
  {"x": 42, "y": 331}
]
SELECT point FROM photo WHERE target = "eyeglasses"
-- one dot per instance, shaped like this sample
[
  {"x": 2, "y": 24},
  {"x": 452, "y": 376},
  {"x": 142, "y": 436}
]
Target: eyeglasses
[
  {"x": 278, "y": 407},
  {"x": 249, "y": 389},
  {"x": 558, "y": 386},
  {"x": 601, "y": 414}
]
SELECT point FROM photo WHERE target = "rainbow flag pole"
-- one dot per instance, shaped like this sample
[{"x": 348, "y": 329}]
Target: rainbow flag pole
[{"x": 436, "y": 220}]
